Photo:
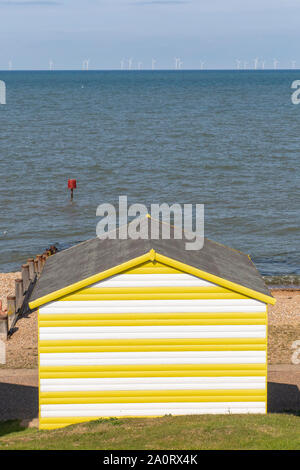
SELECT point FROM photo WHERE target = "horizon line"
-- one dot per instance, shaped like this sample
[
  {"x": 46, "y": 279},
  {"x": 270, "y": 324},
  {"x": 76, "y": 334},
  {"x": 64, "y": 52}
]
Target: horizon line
[{"x": 25, "y": 69}]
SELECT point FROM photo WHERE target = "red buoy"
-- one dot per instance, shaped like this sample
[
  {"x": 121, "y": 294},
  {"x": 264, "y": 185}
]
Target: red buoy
[{"x": 71, "y": 186}]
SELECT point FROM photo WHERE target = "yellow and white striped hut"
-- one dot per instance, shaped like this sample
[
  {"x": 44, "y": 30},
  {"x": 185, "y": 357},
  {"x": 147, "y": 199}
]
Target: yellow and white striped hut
[{"x": 147, "y": 328}]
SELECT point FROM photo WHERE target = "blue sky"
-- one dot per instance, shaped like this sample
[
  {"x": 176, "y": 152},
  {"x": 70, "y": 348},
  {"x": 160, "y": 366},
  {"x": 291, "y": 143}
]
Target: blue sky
[{"x": 106, "y": 31}]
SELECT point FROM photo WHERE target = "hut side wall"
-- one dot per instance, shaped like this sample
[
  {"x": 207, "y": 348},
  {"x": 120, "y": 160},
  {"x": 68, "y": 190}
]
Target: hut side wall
[{"x": 149, "y": 342}]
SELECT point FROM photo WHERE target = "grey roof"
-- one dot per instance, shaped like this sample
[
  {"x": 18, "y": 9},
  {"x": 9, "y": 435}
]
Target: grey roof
[{"x": 94, "y": 256}]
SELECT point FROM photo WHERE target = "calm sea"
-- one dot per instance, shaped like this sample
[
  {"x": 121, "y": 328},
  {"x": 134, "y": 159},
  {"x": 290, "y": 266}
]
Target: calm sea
[{"x": 227, "y": 139}]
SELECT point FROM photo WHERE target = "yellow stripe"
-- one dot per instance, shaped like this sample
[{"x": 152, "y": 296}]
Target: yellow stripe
[
  {"x": 150, "y": 316},
  {"x": 153, "y": 296},
  {"x": 213, "y": 347},
  {"x": 151, "y": 396},
  {"x": 65, "y": 401},
  {"x": 72, "y": 323},
  {"x": 152, "y": 341},
  {"x": 166, "y": 393},
  {"x": 140, "y": 374},
  {"x": 170, "y": 370},
  {"x": 206, "y": 344}
]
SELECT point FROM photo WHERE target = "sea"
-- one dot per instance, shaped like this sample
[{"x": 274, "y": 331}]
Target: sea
[{"x": 227, "y": 139}]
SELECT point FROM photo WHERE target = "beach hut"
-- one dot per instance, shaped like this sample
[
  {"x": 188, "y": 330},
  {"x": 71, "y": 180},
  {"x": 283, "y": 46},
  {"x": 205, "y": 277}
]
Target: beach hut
[{"x": 148, "y": 328}]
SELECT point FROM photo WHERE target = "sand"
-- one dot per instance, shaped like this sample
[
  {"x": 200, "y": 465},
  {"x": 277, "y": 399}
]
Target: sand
[{"x": 283, "y": 319}]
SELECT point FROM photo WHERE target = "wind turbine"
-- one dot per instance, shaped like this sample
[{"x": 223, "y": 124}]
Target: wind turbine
[
  {"x": 10, "y": 65},
  {"x": 153, "y": 64},
  {"x": 238, "y": 64},
  {"x": 202, "y": 64},
  {"x": 293, "y": 64},
  {"x": 129, "y": 64},
  {"x": 263, "y": 63},
  {"x": 255, "y": 63},
  {"x": 245, "y": 65},
  {"x": 178, "y": 63},
  {"x": 122, "y": 64},
  {"x": 85, "y": 64},
  {"x": 51, "y": 64},
  {"x": 275, "y": 63},
  {"x": 139, "y": 65}
]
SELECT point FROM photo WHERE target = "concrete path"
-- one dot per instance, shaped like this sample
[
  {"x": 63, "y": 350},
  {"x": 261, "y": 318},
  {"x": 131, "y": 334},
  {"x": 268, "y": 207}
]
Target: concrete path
[{"x": 19, "y": 391}]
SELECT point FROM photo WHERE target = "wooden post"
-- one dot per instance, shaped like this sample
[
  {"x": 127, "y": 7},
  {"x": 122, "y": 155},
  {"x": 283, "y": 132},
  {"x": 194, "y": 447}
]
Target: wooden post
[
  {"x": 11, "y": 310},
  {"x": 3, "y": 327},
  {"x": 36, "y": 267},
  {"x": 19, "y": 293},
  {"x": 44, "y": 259},
  {"x": 30, "y": 263},
  {"x": 25, "y": 277},
  {"x": 40, "y": 263}
]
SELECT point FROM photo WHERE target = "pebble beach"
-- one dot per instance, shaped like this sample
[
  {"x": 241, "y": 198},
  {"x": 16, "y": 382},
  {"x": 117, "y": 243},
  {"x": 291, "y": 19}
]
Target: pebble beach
[{"x": 7, "y": 286}]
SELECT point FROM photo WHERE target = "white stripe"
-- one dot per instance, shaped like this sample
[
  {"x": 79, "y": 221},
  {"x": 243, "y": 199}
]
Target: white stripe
[
  {"x": 153, "y": 306},
  {"x": 150, "y": 409},
  {"x": 153, "y": 280},
  {"x": 153, "y": 383},
  {"x": 173, "y": 357},
  {"x": 144, "y": 332}
]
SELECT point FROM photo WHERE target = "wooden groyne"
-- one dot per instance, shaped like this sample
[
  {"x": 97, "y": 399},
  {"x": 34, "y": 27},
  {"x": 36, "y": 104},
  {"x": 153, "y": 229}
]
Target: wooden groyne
[{"x": 17, "y": 304}]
